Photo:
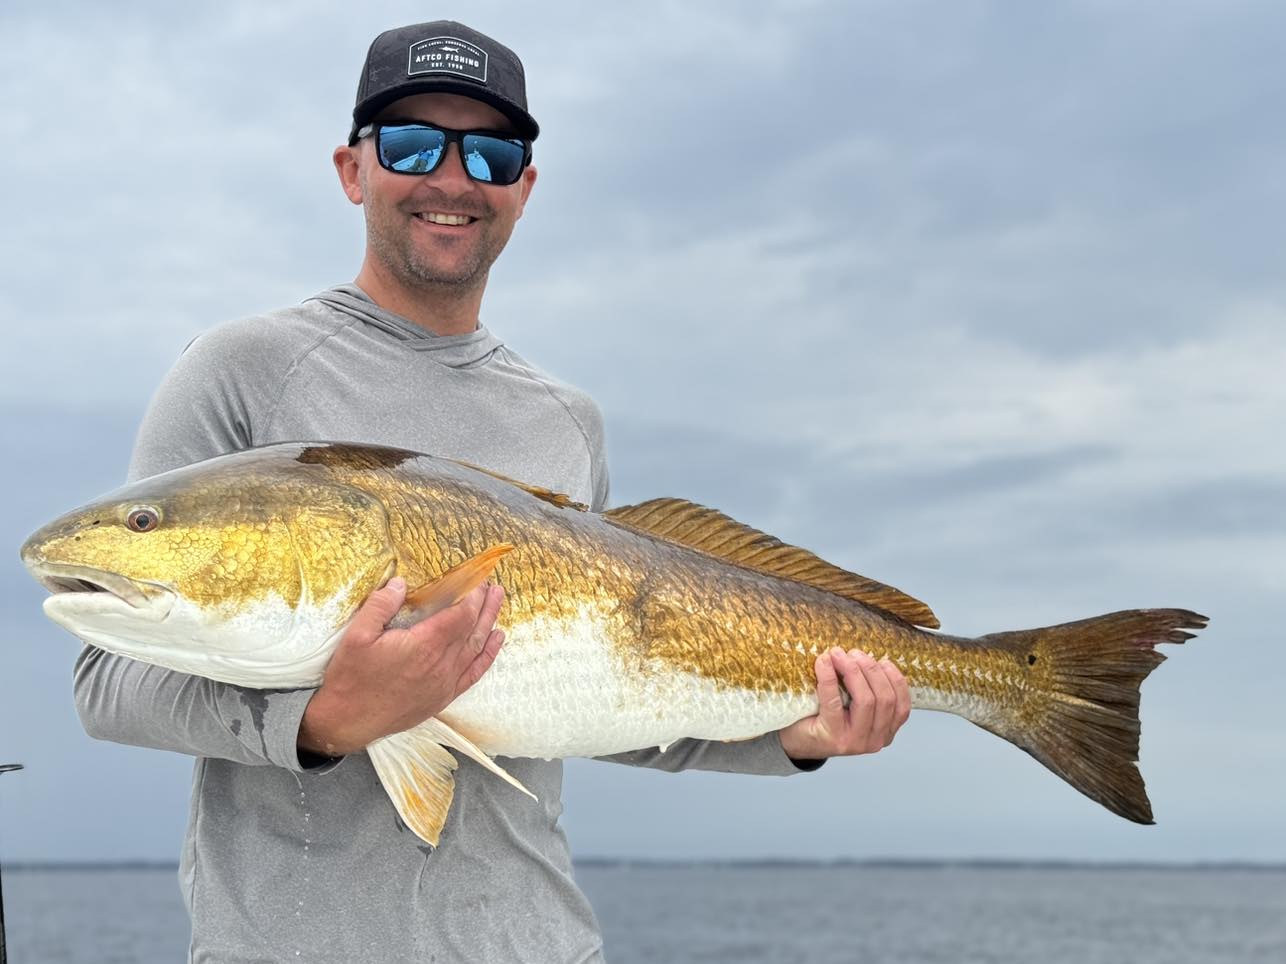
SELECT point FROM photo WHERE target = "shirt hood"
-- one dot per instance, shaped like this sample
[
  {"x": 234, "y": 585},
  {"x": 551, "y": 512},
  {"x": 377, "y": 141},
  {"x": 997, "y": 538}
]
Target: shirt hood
[{"x": 454, "y": 351}]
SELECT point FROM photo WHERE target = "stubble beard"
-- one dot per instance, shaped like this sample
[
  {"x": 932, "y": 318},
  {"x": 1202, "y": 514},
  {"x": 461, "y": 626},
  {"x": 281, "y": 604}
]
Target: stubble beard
[{"x": 393, "y": 242}]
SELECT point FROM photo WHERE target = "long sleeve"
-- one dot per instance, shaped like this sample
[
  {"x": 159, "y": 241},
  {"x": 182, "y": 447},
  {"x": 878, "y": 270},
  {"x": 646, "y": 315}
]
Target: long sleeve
[
  {"x": 126, "y": 701},
  {"x": 763, "y": 756},
  {"x": 199, "y": 411}
]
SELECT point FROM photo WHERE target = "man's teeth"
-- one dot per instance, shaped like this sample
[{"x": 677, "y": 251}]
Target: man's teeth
[{"x": 435, "y": 218}]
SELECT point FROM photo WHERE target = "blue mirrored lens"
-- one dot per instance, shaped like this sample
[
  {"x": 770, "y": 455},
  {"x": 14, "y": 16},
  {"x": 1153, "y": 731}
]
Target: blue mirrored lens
[
  {"x": 411, "y": 149},
  {"x": 492, "y": 159}
]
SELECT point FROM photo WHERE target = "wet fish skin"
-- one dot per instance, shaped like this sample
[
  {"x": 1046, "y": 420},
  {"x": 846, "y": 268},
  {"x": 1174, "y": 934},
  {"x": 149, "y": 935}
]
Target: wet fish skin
[{"x": 633, "y": 628}]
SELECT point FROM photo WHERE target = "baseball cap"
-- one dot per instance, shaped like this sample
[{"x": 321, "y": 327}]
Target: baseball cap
[{"x": 442, "y": 57}]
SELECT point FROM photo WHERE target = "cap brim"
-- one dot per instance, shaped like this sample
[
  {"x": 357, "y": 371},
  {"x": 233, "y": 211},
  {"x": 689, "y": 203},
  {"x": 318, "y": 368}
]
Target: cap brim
[{"x": 524, "y": 124}]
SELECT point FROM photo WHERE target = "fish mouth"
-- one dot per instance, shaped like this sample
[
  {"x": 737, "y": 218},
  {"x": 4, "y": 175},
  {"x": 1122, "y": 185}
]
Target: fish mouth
[{"x": 101, "y": 586}]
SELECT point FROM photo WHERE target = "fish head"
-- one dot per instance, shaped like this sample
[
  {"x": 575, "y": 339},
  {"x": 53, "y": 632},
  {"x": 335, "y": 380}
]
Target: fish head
[{"x": 236, "y": 569}]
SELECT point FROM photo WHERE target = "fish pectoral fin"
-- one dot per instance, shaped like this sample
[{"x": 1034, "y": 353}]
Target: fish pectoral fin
[
  {"x": 416, "y": 773},
  {"x": 446, "y": 735},
  {"x": 452, "y": 586}
]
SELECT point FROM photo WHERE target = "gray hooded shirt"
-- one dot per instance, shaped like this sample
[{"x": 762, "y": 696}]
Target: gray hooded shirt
[{"x": 286, "y": 861}]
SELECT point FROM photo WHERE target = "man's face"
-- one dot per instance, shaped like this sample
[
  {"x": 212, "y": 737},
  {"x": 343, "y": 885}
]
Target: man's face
[{"x": 399, "y": 231}]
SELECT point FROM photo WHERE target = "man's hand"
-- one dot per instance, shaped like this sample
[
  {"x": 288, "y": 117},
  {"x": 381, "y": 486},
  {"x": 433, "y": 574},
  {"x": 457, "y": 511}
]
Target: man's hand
[
  {"x": 382, "y": 681},
  {"x": 880, "y": 703}
]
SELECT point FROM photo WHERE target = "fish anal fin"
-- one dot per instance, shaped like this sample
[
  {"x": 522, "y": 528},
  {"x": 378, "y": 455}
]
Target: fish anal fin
[
  {"x": 416, "y": 774},
  {"x": 710, "y": 531},
  {"x": 539, "y": 491},
  {"x": 452, "y": 586},
  {"x": 446, "y": 735}
]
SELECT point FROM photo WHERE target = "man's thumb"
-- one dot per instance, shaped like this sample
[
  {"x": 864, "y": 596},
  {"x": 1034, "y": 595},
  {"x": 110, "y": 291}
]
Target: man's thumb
[{"x": 380, "y": 607}]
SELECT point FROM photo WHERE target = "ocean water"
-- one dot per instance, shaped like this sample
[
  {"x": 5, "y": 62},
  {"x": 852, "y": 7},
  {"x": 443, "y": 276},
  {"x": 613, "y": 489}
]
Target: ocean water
[{"x": 768, "y": 913}]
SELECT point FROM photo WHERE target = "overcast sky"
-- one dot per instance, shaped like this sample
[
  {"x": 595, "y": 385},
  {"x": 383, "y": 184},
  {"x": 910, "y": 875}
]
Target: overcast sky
[{"x": 981, "y": 299}]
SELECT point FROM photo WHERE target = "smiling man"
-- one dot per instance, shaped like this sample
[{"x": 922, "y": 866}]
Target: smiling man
[{"x": 293, "y": 851}]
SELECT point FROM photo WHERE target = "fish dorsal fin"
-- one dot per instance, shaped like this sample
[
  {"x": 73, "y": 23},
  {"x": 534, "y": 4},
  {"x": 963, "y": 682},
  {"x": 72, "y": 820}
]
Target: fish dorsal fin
[
  {"x": 539, "y": 491},
  {"x": 712, "y": 532}
]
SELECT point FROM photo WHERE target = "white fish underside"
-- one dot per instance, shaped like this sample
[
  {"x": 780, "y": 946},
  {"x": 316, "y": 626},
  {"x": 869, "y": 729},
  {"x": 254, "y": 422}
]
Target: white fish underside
[
  {"x": 559, "y": 688},
  {"x": 269, "y": 644}
]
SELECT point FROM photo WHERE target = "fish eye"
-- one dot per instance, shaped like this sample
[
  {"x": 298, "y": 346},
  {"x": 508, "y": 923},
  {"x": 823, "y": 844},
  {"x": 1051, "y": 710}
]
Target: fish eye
[{"x": 143, "y": 518}]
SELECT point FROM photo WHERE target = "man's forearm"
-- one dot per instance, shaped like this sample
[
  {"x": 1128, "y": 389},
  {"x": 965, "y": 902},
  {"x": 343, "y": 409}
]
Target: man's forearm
[{"x": 127, "y": 701}]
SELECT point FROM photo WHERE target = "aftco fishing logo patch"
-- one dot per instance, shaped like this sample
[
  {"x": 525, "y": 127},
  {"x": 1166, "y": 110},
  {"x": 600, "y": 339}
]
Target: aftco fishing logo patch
[{"x": 447, "y": 55}]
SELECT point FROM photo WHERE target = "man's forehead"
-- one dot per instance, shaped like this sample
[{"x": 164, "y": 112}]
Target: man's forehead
[{"x": 449, "y": 110}]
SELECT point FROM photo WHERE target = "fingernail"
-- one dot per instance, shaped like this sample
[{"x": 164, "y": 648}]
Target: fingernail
[{"x": 397, "y": 583}]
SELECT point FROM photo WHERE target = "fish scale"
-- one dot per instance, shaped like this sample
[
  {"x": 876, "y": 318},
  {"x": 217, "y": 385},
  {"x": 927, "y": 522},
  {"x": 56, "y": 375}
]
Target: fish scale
[
  {"x": 727, "y": 639},
  {"x": 626, "y": 629}
]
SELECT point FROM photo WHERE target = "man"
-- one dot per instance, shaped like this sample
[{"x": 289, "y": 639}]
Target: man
[{"x": 293, "y": 851}]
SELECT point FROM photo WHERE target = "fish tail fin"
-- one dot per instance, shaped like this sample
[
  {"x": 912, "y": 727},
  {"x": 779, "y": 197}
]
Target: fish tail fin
[{"x": 1081, "y": 719}]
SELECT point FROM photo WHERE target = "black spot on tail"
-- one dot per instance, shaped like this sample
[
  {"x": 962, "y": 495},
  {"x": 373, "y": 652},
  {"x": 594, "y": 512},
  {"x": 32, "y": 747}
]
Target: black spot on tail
[{"x": 1081, "y": 715}]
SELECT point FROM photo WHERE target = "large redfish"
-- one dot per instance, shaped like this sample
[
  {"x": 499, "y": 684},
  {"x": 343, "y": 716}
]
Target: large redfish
[{"x": 632, "y": 628}]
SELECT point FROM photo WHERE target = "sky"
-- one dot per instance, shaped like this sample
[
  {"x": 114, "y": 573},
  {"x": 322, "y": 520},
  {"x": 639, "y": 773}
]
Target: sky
[{"x": 981, "y": 299}]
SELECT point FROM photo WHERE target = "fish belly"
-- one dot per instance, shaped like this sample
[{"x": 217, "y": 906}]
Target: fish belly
[
  {"x": 971, "y": 706},
  {"x": 568, "y": 686}
]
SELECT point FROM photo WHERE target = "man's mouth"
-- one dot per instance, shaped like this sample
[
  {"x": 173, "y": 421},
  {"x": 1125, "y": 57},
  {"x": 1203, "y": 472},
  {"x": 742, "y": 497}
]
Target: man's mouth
[{"x": 455, "y": 220}]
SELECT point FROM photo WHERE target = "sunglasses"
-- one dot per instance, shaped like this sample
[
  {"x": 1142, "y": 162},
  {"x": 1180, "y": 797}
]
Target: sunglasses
[{"x": 491, "y": 157}]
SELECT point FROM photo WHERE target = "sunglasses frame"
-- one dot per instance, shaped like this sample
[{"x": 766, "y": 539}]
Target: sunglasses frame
[{"x": 452, "y": 136}]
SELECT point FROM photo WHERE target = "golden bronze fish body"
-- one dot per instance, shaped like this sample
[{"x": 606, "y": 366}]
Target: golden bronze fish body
[{"x": 627, "y": 629}]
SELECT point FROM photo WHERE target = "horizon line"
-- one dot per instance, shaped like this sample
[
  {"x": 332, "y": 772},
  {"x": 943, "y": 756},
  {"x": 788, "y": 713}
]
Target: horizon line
[{"x": 750, "y": 863}]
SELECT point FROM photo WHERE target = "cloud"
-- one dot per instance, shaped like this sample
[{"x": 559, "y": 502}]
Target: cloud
[{"x": 981, "y": 299}]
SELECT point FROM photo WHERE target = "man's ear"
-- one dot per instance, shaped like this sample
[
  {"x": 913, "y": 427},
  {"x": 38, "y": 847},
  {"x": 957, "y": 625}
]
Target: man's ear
[
  {"x": 346, "y": 166},
  {"x": 526, "y": 183}
]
